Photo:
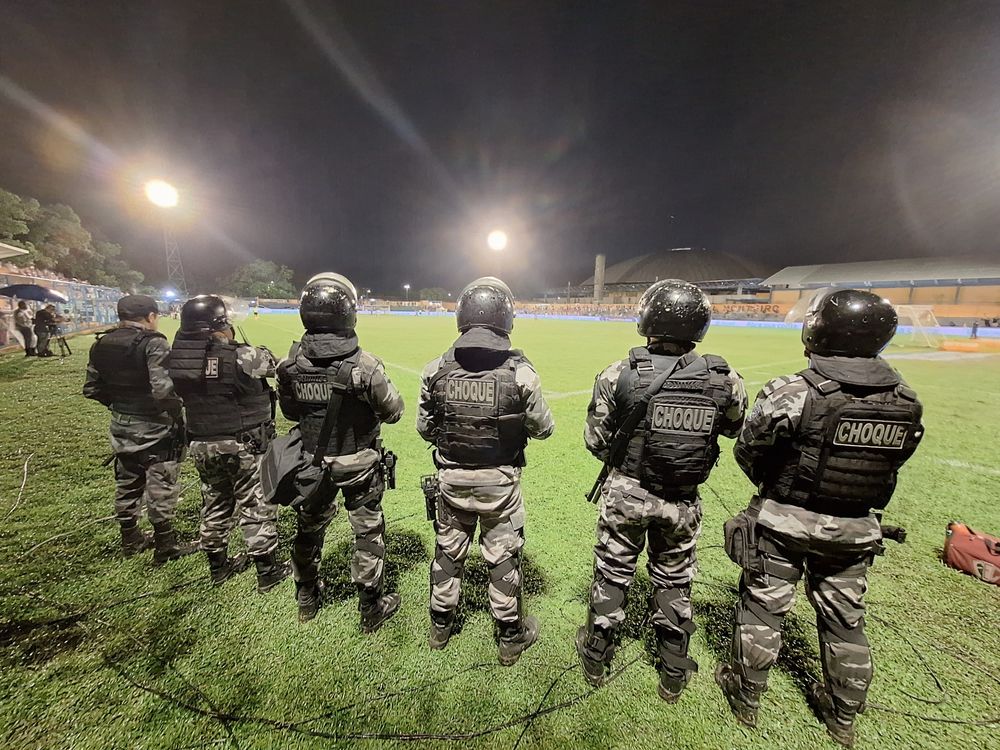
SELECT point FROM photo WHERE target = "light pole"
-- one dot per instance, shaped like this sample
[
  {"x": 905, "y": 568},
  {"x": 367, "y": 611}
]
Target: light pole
[
  {"x": 407, "y": 288},
  {"x": 164, "y": 195}
]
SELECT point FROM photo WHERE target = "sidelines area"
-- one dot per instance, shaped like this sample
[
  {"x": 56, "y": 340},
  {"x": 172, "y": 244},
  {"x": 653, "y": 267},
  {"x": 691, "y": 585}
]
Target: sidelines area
[{"x": 101, "y": 652}]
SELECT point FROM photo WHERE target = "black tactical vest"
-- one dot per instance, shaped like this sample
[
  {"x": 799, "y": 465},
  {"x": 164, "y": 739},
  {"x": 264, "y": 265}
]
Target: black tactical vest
[
  {"x": 119, "y": 355},
  {"x": 677, "y": 443},
  {"x": 357, "y": 426},
  {"x": 480, "y": 415},
  {"x": 850, "y": 445},
  {"x": 218, "y": 404}
]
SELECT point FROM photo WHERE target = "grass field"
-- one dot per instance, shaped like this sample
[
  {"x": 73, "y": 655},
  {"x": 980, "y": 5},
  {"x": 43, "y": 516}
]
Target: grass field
[{"x": 100, "y": 652}]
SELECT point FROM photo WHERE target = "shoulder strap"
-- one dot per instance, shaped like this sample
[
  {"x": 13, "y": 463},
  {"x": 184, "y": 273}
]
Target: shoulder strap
[
  {"x": 448, "y": 365},
  {"x": 340, "y": 387},
  {"x": 641, "y": 360},
  {"x": 716, "y": 363},
  {"x": 822, "y": 384},
  {"x": 628, "y": 425}
]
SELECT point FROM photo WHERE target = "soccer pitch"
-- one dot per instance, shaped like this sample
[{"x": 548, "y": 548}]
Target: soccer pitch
[{"x": 100, "y": 652}]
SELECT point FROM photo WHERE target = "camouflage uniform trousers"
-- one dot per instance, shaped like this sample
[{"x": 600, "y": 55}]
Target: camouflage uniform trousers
[
  {"x": 231, "y": 493},
  {"x": 363, "y": 499},
  {"x": 499, "y": 511},
  {"x": 147, "y": 467},
  {"x": 835, "y": 577},
  {"x": 629, "y": 516}
]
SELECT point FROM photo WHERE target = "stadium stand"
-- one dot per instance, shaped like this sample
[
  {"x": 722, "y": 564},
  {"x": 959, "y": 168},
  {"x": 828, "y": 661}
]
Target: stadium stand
[{"x": 959, "y": 290}]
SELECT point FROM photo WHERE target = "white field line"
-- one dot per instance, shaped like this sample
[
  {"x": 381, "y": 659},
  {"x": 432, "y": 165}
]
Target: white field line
[
  {"x": 965, "y": 465},
  {"x": 404, "y": 368}
]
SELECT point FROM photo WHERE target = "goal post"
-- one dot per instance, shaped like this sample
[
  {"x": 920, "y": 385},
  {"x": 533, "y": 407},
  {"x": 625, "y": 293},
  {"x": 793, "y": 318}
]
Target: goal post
[{"x": 918, "y": 326}]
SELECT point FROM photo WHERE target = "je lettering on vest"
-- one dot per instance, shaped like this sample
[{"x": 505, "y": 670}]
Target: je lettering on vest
[
  {"x": 312, "y": 391},
  {"x": 474, "y": 392},
  {"x": 694, "y": 420},
  {"x": 871, "y": 433},
  {"x": 211, "y": 367}
]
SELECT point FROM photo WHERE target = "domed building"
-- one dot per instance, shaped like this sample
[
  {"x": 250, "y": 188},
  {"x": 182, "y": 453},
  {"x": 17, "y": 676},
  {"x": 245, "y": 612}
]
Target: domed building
[{"x": 714, "y": 271}]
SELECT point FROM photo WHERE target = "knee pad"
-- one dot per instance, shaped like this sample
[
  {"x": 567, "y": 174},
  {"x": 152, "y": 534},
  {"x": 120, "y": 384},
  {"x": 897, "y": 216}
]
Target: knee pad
[{"x": 500, "y": 570}]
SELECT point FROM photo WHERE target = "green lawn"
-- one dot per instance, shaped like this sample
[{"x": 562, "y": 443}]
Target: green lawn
[{"x": 100, "y": 652}]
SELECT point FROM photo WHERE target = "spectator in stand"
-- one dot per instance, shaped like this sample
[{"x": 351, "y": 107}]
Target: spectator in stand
[{"x": 22, "y": 321}]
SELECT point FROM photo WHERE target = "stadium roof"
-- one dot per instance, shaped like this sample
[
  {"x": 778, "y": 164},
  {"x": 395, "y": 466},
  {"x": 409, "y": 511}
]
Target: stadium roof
[
  {"x": 8, "y": 251},
  {"x": 688, "y": 263},
  {"x": 919, "y": 271}
]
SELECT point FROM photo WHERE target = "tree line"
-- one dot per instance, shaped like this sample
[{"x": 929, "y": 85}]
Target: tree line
[{"x": 57, "y": 241}]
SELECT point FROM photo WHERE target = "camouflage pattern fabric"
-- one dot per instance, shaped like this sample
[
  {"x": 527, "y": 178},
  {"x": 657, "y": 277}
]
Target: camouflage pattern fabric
[
  {"x": 836, "y": 583},
  {"x": 775, "y": 417},
  {"x": 629, "y": 517},
  {"x": 162, "y": 387},
  {"x": 492, "y": 498},
  {"x": 604, "y": 415},
  {"x": 489, "y": 497},
  {"x": 142, "y": 482},
  {"x": 255, "y": 361},
  {"x": 367, "y": 523},
  {"x": 833, "y": 553},
  {"x": 231, "y": 493},
  {"x": 538, "y": 420}
]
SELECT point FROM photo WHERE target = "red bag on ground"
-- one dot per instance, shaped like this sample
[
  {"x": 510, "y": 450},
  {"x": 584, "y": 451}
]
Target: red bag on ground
[{"x": 973, "y": 553}]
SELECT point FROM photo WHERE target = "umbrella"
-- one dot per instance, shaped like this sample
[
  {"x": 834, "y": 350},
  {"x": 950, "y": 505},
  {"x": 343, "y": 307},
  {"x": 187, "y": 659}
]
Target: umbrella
[{"x": 33, "y": 292}]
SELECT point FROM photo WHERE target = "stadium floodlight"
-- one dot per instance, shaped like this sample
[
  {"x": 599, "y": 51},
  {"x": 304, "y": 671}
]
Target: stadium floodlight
[
  {"x": 407, "y": 288},
  {"x": 497, "y": 240},
  {"x": 161, "y": 193},
  {"x": 169, "y": 293}
]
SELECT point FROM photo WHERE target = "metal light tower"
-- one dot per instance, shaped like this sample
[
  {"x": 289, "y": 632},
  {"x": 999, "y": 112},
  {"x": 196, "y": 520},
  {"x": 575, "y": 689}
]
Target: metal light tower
[
  {"x": 175, "y": 268},
  {"x": 164, "y": 195}
]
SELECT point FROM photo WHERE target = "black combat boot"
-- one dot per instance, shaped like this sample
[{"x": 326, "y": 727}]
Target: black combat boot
[
  {"x": 135, "y": 540},
  {"x": 839, "y": 724},
  {"x": 744, "y": 698},
  {"x": 441, "y": 625},
  {"x": 674, "y": 666},
  {"x": 596, "y": 648},
  {"x": 223, "y": 567},
  {"x": 515, "y": 637},
  {"x": 270, "y": 572},
  {"x": 376, "y": 607},
  {"x": 309, "y": 595},
  {"x": 165, "y": 546}
]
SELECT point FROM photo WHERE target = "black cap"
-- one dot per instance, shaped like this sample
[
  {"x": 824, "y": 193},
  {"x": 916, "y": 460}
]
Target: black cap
[{"x": 136, "y": 307}]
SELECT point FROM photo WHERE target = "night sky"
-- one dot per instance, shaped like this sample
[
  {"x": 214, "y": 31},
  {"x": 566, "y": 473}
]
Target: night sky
[{"x": 384, "y": 139}]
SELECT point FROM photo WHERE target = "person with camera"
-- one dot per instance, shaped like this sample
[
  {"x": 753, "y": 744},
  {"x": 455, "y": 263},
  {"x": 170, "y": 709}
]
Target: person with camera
[{"x": 339, "y": 396}]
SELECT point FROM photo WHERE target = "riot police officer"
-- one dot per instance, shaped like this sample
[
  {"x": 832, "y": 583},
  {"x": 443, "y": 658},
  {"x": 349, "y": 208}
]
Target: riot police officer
[
  {"x": 479, "y": 404},
  {"x": 230, "y": 421},
  {"x": 654, "y": 420},
  {"x": 823, "y": 447},
  {"x": 328, "y": 380},
  {"x": 127, "y": 372}
]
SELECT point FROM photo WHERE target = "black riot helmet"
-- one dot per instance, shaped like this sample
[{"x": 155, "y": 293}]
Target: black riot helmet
[
  {"x": 848, "y": 323},
  {"x": 205, "y": 313},
  {"x": 674, "y": 310},
  {"x": 329, "y": 304},
  {"x": 486, "y": 302}
]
